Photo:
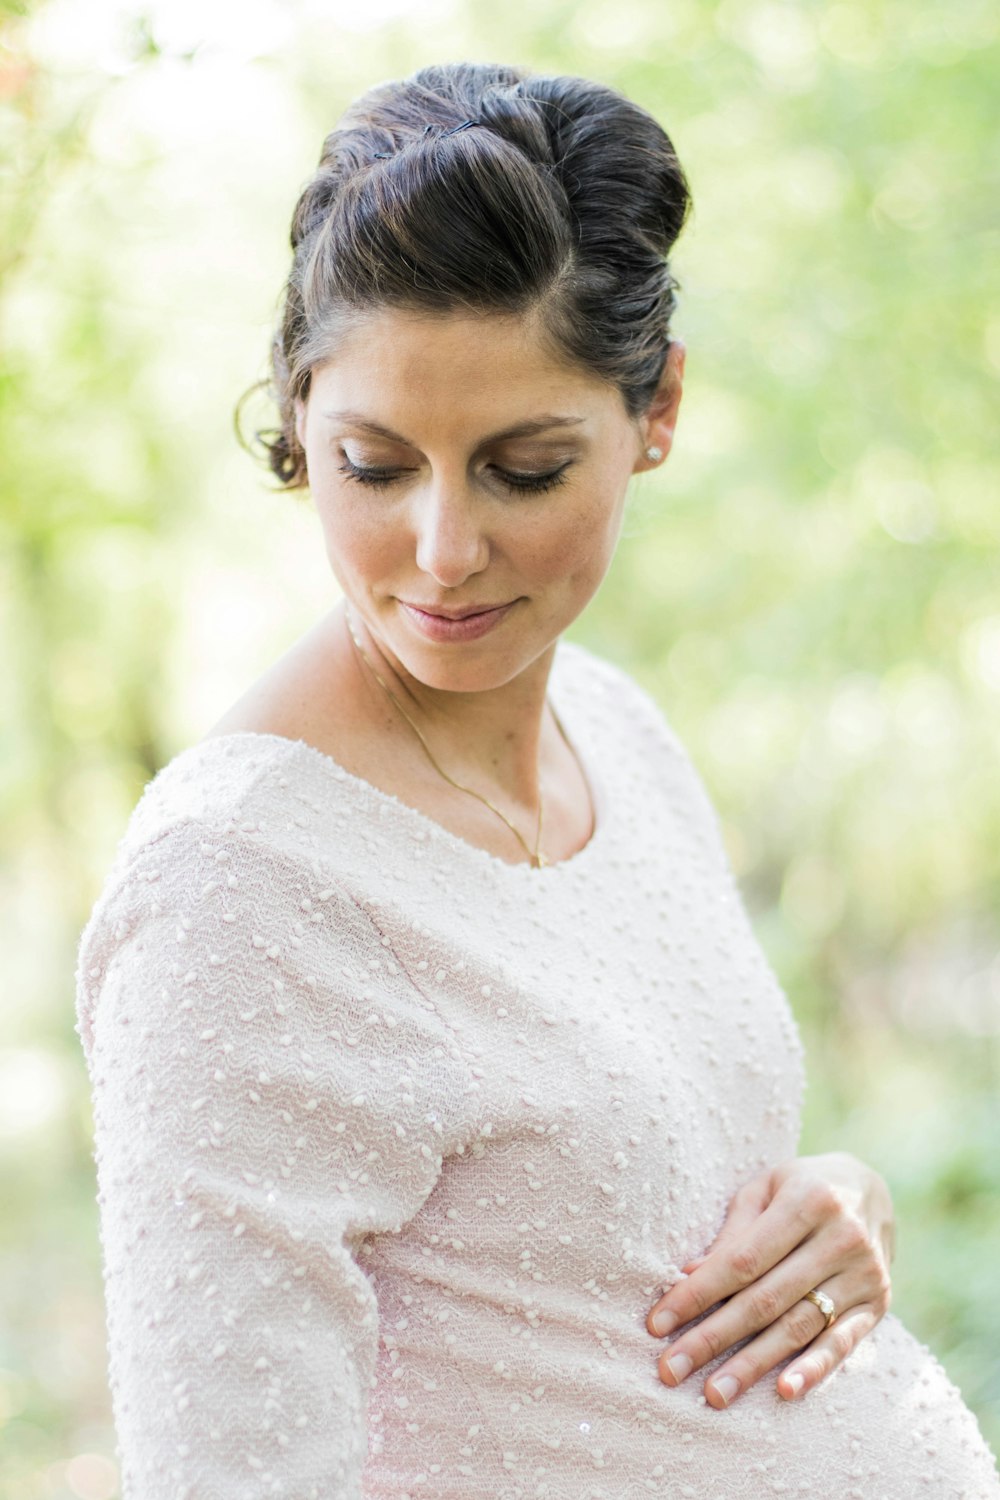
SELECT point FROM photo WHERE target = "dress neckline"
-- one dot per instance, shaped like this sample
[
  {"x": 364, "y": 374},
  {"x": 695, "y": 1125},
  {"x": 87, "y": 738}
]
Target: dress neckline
[{"x": 563, "y": 705}]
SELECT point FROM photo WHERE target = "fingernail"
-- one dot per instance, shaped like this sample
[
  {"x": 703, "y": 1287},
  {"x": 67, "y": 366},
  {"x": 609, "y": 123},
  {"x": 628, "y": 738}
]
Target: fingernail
[
  {"x": 680, "y": 1366},
  {"x": 665, "y": 1321},
  {"x": 727, "y": 1386},
  {"x": 795, "y": 1383}
]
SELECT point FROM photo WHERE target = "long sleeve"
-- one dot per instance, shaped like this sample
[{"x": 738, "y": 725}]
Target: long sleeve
[{"x": 269, "y": 1087}]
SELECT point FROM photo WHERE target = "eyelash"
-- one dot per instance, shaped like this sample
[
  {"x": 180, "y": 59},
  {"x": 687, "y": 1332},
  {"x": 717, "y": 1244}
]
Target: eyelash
[{"x": 535, "y": 485}]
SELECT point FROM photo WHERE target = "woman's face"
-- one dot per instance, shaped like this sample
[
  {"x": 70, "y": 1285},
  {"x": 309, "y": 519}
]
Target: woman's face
[{"x": 455, "y": 463}]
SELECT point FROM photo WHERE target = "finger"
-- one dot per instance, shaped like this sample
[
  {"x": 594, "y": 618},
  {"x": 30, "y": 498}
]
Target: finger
[
  {"x": 769, "y": 1305},
  {"x": 745, "y": 1207},
  {"x": 798, "y": 1332},
  {"x": 828, "y": 1350},
  {"x": 773, "y": 1236}
]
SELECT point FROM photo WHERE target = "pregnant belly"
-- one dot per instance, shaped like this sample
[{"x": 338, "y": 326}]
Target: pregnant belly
[{"x": 548, "y": 1417}]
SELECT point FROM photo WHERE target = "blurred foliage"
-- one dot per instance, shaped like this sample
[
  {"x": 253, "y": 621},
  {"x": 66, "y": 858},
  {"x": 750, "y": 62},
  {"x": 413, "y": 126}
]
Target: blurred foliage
[{"x": 808, "y": 587}]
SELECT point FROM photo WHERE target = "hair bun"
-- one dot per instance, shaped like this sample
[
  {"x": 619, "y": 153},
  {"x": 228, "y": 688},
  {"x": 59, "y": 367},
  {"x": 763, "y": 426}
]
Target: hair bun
[{"x": 568, "y": 199}]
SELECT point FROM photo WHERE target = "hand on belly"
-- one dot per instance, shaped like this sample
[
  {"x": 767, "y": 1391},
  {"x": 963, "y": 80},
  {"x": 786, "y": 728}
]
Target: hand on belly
[{"x": 821, "y": 1224}]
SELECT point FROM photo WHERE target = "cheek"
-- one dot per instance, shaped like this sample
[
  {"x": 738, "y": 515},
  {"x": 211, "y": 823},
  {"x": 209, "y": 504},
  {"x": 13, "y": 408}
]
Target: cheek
[
  {"x": 579, "y": 542},
  {"x": 355, "y": 542}
]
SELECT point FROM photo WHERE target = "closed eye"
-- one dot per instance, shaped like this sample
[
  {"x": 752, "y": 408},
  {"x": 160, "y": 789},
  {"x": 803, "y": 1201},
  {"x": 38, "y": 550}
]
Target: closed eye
[{"x": 533, "y": 483}]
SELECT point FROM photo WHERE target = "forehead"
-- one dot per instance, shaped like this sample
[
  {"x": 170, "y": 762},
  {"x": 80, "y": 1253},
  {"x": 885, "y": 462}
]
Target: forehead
[{"x": 411, "y": 369}]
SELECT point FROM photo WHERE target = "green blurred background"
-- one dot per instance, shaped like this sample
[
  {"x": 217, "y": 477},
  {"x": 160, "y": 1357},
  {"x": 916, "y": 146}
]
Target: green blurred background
[{"x": 809, "y": 586}]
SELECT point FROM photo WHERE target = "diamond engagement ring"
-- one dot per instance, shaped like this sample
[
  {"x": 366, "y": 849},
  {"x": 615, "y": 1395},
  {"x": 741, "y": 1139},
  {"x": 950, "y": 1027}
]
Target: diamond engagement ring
[{"x": 824, "y": 1303}]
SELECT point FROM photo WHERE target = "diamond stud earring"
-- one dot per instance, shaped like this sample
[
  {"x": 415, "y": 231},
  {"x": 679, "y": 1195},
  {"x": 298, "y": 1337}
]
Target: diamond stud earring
[{"x": 654, "y": 453}]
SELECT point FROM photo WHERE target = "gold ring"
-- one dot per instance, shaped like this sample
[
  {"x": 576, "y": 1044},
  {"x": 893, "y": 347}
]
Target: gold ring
[{"x": 824, "y": 1303}]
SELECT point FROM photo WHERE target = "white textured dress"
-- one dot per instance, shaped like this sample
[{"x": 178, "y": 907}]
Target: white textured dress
[{"x": 397, "y": 1143}]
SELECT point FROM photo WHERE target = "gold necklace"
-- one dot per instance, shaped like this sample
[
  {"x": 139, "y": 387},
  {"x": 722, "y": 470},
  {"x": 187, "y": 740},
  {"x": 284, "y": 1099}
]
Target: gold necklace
[{"x": 537, "y": 858}]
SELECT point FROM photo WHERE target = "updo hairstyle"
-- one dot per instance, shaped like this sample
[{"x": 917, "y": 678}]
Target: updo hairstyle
[{"x": 565, "y": 198}]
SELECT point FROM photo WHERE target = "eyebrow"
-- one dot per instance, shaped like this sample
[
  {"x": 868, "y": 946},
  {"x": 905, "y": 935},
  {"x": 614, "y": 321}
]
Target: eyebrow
[{"x": 521, "y": 429}]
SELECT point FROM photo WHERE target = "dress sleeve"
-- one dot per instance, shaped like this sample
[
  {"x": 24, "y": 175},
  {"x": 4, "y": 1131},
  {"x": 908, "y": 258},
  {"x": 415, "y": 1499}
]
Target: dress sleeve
[{"x": 269, "y": 1088}]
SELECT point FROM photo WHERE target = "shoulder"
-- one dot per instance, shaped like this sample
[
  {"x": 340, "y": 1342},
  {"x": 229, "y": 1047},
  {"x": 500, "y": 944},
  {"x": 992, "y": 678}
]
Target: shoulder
[
  {"x": 299, "y": 696},
  {"x": 219, "y": 900},
  {"x": 210, "y": 782},
  {"x": 610, "y": 689},
  {"x": 629, "y": 724},
  {"x": 238, "y": 771}
]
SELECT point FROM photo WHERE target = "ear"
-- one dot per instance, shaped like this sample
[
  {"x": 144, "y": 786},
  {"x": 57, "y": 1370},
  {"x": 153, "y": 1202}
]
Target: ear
[
  {"x": 300, "y": 422},
  {"x": 661, "y": 415}
]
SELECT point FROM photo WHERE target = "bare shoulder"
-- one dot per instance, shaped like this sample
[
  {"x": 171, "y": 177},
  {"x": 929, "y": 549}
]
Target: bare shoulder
[{"x": 299, "y": 696}]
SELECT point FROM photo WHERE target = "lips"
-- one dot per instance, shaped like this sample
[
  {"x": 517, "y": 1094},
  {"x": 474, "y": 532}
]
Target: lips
[
  {"x": 470, "y": 626},
  {"x": 457, "y": 614}
]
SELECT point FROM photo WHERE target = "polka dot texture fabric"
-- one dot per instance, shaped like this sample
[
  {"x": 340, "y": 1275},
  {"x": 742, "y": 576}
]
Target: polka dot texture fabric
[{"x": 397, "y": 1143}]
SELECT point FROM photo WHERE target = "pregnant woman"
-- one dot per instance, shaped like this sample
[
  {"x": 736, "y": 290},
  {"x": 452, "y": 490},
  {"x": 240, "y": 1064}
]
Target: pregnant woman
[{"x": 446, "y": 1108}]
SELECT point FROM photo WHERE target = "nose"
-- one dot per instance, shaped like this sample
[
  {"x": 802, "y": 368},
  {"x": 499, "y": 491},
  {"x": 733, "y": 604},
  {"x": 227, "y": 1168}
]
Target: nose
[{"x": 451, "y": 542}]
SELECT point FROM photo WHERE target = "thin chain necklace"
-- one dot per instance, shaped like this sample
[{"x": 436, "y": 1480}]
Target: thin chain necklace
[{"x": 537, "y": 858}]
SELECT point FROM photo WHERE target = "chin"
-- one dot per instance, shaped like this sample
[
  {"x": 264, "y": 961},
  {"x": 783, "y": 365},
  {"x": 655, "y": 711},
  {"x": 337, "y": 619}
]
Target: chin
[{"x": 457, "y": 677}]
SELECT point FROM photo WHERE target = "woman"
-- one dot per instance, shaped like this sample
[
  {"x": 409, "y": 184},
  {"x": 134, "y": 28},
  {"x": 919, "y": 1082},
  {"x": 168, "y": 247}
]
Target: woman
[{"x": 445, "y": 1106}]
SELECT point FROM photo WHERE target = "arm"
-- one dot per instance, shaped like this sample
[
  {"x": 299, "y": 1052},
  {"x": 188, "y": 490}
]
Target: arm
[
  {"x": 268, "y": 1089},
  {"x": 813, "y": 1222}
]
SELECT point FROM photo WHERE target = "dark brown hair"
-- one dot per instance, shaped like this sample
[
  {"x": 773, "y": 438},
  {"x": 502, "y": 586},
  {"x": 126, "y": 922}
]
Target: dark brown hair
[{"x": 564, "y": 198}]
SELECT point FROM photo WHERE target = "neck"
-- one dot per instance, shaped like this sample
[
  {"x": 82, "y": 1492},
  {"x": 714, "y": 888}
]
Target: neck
[{"x": 492, "y": 739}]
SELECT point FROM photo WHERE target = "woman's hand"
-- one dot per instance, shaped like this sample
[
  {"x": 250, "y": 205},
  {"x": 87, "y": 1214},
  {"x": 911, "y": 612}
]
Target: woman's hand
[{"x": 822, "y": 1222}]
